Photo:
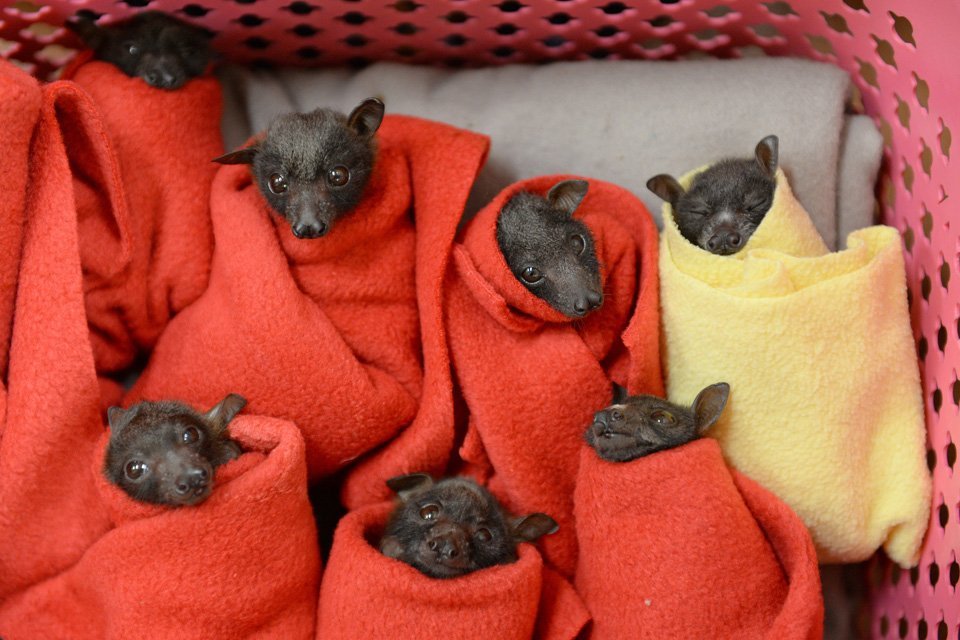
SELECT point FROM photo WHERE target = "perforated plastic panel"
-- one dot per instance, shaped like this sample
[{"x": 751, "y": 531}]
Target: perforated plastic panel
[{"x": 901, "y": 54}]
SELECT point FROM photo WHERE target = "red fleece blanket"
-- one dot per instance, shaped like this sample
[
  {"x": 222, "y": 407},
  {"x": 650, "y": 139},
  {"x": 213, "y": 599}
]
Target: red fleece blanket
[
  {"x": 323, "y": 332},
  {"x": 19, "y": 109},
  {"x": 366, "y": 595},
  {"x": 675, "y": 545},
  {"x": 50, "y": 509},
  {"x": 164, "y": 141},
  {"x": 532, "y": 378},
  {"x": 244, "y": 563}
]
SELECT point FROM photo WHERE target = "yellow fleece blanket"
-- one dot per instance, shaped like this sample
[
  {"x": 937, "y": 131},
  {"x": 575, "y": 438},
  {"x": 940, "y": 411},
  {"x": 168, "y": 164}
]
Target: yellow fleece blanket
[{"x": 825, "y": 407}]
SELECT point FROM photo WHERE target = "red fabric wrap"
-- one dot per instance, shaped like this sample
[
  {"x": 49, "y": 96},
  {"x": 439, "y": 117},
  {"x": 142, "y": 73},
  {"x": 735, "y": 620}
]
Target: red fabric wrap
[
  {"x": 366, "y": 595},
  {"x": 49, "y": 511},
  {"x": 322, "y": 332},
  {"x": 676, "y": 545},
  {"x": 19, "y": 109},
  {"x": 164, "y": 142},
  {"x": 243, "y": 563},
  {"x": 531, "y": 377}
]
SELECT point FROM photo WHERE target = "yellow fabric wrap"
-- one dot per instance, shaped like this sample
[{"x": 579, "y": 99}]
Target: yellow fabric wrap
[{"x": 825, "y": 407}]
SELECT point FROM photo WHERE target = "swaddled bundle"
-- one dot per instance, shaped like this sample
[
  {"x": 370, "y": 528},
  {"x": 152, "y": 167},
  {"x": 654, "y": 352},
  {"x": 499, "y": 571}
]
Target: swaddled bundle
[
  {"x": 531, "y": 375},
  {"x": 366, "y": 594},
  {"x": 322, "y": 331},
  {"x": 164, "y": 141},
  {"x": 827, "y": 412},
  {"x": 243, "y": 563},
  {"x": 675, "y": 545}
]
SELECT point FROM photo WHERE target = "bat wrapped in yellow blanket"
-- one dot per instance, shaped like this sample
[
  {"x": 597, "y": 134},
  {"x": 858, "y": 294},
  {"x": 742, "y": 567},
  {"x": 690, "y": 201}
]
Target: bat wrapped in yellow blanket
[{"x": 825, "y": 407}]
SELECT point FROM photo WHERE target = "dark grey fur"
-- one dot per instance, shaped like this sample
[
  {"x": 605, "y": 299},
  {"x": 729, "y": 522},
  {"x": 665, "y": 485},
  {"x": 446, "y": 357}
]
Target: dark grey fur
[
  {"x": 453, "y": 527},
  {"x": 641, "y": 425},
  {"x": 550, "y": 252},
  {"x": 162, "y": 50},
  {"x": 166, "y": 452},
  {"x": 726, "y": 203},
  {"x": 297, "y": 164}
]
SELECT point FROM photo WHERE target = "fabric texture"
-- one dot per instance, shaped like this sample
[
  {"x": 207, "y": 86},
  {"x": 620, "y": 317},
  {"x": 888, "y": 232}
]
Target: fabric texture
[
  {"x": 242, "y": 564},
  {"x": 675, "y": 545},
  {"x": 164, "y": 142},
  {"x": 621, "y": 121},
  {"x": 532, "y": 377},
  {"x": 825, "y": 408},
  {"x": 366, "y": 595}
]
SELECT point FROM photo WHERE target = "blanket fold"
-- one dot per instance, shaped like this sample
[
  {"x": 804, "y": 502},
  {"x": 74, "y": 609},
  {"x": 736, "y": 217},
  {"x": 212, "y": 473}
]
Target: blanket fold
[
  {"x": 244, "y": 563},
  {"x": 368, "y": 595},
  {"x": 675, "y": 545},
  {"x": 321, "y": 332},
  {"x": 164, "y": 142},
  {"x": 50, "y": 511},
  {"x": 20, "y": 98},
  {"x": 532, "y": 377},
  {"x": 826, "y": 408}
]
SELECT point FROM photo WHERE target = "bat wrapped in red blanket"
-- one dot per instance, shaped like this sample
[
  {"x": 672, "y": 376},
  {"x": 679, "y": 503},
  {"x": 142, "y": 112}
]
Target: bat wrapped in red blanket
[
  {"x": 50, "y": 509},
  {"x": 164, "y": 141},
  {"x": 532, "y": 377},
  {"x": 323, "y": 332},
  {"x": 366, "y": 595},
  {"x": 243, "y": 563},
  {"x": 676, "y": 545}
]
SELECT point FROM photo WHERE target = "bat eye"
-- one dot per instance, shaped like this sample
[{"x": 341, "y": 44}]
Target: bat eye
[
  {"x": 484, "y": 535},
  {"x": 277, "y": 183},
  {"x": 135, "y": 469},
  {"x": 616, "y": 415},
  {"x": 531, "y": 275},
  {"x": 663, "y": 418},
  {"x": 338, "y": 176},
  {"x": 430, "y": 511},
  {"x": 579, "y": 243},
  {"x": 190, "y": 435},
  {"x": 133, "y": 49}
]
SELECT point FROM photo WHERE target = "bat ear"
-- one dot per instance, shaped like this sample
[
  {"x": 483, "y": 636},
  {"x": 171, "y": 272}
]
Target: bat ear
[
  {"x": 118, "y": 418},
  {"x": 767, "y": 154},
  {"x": 530, "y": 527},
  {"x": 620, "y": 394},
  {"x": 390, "y": 546},
  {"x": 225, "y": 411},
  {"x": 366, "y": 118},
  {"x": 92, "y": 35},
  {"x": 667, "y": 187},
  {"x": 567, "y": 195},
  {"x": 709, "y": 404},
  {"x": 240, "y": 156},
  {"x": 405, "y": 485}
]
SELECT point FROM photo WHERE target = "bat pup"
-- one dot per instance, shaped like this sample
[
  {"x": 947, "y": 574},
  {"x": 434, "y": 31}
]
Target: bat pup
[
  {"x": 453, "y": 527},
  {"x": 550, "y": 252},
  {"x": 725, "y": 203},
  {"x": 166, "y": 452},
  {"x": 637, "y": 426},
  {"x": 312, "y": 168},
  {"x": 158, "y": 48}
]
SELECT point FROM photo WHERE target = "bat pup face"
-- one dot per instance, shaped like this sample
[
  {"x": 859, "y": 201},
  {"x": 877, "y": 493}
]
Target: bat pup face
[
  {"x": 453, "y": 527},
  {"x": 312, "y": 168},
  {"x": 725, "y": 203},
  {"x": 640, "y": 425},
  {"x": 158, "y": 48},
  {"x": 165, "y": 452},
  {"x": 552, "y": 254}
]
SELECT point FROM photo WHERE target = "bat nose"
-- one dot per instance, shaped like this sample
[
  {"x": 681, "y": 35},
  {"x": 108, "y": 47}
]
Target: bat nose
[
  {"x": 447, "y": 545},
  {"x": 308, "y": 230},
  {"x": 192, "y": 480},
  {"x": 594, "y": 299}
]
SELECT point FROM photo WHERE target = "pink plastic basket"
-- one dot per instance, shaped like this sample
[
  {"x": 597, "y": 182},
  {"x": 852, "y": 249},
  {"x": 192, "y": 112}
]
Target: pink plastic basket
[{"x": 898, "y": 53}]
